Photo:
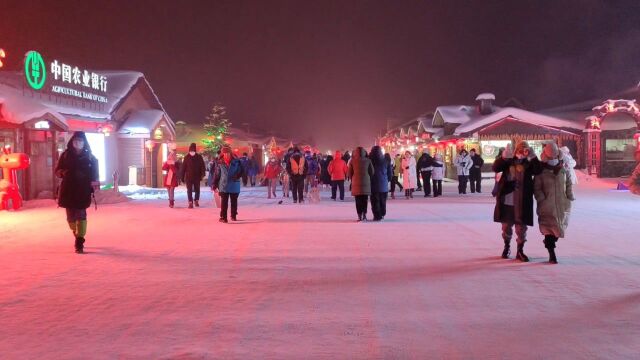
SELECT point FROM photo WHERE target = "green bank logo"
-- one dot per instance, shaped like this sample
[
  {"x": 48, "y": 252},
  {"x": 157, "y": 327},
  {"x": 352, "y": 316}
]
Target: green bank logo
[{"x": 34, "y": 70}]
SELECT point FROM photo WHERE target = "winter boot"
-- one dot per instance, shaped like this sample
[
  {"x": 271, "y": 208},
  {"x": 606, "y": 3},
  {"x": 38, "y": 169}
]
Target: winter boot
[
  {"x": 549, "y": 243},
  {"x": 552, "y": 256},
  {"x": 197, "y": 203},
  {"x": 79, "y": 245},
  {"x": 234, "y": 218},
  {"x": 223, "y": 220},
  {"x": 171, "y": 202},
  {"x": 393, "y": 196},
  {"x": 190, "y": 204},
  {"x": 507, "y": 250},
  {"x": 520, "y": 254}
]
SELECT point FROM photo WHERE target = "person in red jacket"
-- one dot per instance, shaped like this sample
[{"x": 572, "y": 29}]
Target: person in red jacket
[
  {"x": 271, "y": 173},
  {"x": 338, "y": 170},
  {"x": 171, "y": 177}
]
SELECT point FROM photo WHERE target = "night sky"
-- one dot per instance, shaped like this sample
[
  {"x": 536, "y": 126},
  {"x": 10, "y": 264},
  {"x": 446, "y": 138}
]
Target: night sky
[{"x": 338, "y": 70}]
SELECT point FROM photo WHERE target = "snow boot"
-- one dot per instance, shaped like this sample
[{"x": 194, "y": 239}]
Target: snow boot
[
  {"x": 197, "y": 203},
  {"x": 190, "y": 204},
  {"x": 171, "y": 202},
  {"x": 79, "y": 245},
  {"x": 549, "y": 243},
  {"x": 520, "y": 254},
  {"x": 393, "y": 196},
  {"x": 507, "y": 250},
  {"x": 234, "y": 218},
  {"x": 552, "y": 256},
  {"x": 223, "y": 220}
]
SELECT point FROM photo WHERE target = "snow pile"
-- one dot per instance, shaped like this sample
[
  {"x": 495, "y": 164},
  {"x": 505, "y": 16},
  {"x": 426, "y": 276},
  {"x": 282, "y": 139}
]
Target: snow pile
[{"x": 104, "y": 197}]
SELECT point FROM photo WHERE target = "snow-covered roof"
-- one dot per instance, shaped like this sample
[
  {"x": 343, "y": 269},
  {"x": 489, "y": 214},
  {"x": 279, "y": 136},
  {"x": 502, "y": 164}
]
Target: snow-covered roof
[
  {"x": 519, "y": 114},
  {"x": 486, "y": 96},
  {"x": 458, "y": 114},
  {"x": 17, "y": 109},
  {"x": 120, "y": 84},
  {"x": 141, "y": 122}
]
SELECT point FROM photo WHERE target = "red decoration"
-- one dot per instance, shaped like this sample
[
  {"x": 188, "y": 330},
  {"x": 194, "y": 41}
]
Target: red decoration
[{"x": 9, "y": 190}]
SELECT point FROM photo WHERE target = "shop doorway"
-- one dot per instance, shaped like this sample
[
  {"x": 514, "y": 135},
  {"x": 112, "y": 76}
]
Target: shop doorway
[{"x": 40, "y": 179}]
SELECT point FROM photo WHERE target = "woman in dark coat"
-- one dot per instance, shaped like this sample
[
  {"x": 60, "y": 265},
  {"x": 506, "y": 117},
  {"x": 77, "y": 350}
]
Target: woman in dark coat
[
  {"x": 360, "y": 172},
  {"x": 514, "y": 195},
  {"x": 78, "y": 169},
  {"x": 382, "y": 174}
]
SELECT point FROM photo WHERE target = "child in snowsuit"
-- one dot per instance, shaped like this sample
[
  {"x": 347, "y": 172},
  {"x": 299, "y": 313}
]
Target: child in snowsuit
[
  {"x": 514, "y": 197},
  {"x": 554, "y": 194},
  {"x": 78, "y": 169}
]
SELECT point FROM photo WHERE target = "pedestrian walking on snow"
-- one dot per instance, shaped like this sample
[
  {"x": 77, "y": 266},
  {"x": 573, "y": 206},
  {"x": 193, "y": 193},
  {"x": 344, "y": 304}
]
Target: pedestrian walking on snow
[
  {"x": 271, "y": 173},
  {"x": 382, "y": 174},
  {"x": 338, "y": 171},
  {"x": 171, "y": 177},
  {"x": 397, "y": 170},
  {"x": 193, "y": 171},
  {"x": 554, "y": 193},
  {"x": 227, "y": 183},
  {"x": 297, "y": 168},
  {"x": 78, "y": 169},
  {"x": 437, "y": 175},
  {"x": 475, "y": 173},
  {"x": 408, "y": 174},
  {"x": 425, "y": 166},
  {"x": 463, "y": 164},
  {"x": 514, "y": 196},
  {"x": 360, "y": 173}
]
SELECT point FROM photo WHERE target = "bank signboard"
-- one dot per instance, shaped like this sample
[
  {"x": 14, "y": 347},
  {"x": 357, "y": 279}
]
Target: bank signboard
[{"x": 64, "y": 79}]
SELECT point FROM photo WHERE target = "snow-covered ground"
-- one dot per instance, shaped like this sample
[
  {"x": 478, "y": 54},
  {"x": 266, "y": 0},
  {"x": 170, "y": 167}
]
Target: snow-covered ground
[{"x": 306, "y": 281}]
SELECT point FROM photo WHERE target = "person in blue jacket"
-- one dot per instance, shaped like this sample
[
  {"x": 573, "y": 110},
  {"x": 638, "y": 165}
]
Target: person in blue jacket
[
  {"x": 382, "y": 175},
  {"x": 227, "y": 183}
]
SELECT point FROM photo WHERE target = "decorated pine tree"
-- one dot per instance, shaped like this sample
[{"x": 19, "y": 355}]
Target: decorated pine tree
[{"x": 217, "y": 127}]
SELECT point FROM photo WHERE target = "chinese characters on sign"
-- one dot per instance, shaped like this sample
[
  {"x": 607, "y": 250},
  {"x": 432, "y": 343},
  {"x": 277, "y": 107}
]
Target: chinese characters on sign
[{"x": 76, "y": 76}]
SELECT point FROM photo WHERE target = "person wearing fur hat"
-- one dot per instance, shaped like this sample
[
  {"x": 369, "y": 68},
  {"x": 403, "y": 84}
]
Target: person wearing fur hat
[
  {"x": 634, "y": 180},
  {"x": 227, "y": 183},
  {"x": 171, "y": 177},
  {"x": 193, "y": 171},
  {"x": 78, "y": 169},
  {"x": 554, "y": 194},
  {"x": 437, "y": 175},
  {"x": 514, "y": 195}
]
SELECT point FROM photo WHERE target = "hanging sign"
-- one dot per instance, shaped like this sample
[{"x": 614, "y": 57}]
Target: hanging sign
[{"x": 65, "y": 79}]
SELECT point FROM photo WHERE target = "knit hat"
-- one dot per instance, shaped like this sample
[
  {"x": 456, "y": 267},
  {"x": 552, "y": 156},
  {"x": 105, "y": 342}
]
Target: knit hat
[
  {"x": 192, "y": 147},
  {"x": 521, "y": 146}
]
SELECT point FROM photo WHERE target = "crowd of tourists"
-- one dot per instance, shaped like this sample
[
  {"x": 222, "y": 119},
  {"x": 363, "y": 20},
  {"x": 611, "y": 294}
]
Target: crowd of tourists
[{"x": 521, "y": 179}]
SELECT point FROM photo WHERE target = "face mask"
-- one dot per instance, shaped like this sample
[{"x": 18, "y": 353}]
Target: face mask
[
  {"x": 553, "y": 162},
  {"x": 192, "y": 153},
  {"x": 78, "y": 144}
]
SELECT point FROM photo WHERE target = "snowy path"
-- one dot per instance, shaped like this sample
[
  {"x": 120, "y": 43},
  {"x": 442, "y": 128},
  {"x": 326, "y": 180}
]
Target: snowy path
[{"x": 305, "y": 281}]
